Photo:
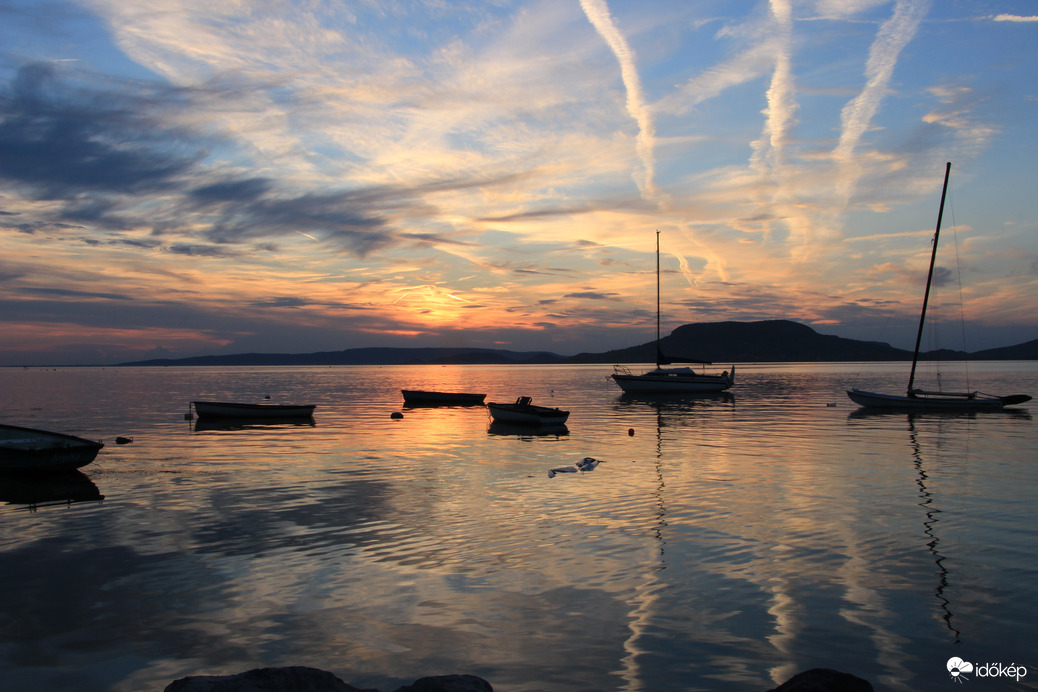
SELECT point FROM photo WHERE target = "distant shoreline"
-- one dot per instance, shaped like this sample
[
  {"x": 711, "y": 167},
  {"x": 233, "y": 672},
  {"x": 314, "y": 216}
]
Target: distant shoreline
[
  {"x": 772, "y": 341},
  {"x": 724, "y": 343}
]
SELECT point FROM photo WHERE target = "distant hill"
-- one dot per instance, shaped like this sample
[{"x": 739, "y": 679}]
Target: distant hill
[
  {"x": 719, "y": 342},
  {"x": 367, "y": 356},
  {"x": 1025, "y": 351},
  {"x": 747, "y": 342}
]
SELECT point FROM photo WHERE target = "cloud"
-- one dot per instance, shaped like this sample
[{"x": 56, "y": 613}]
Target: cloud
[
  {"x": 857, "y": 114},
  {"x": 598, "y": 14},
  {"x": 56, "y": 141},
  {"x": 1014, "y": 18}
]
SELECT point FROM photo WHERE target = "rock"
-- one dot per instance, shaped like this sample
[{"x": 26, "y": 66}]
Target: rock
[
  {"x": 295, "y": 678},
  {"x": 449, "y": 683},
  {"x": 824, "y": 680},
  {"x": 303, "y": 679}
]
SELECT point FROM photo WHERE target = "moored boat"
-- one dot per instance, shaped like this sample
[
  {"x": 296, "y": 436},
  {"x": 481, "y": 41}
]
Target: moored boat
[
  {"x": 30, "y": 449},
  {"x": 524, "y": 412},
  {"x": 920, "y": 399},
  {"x": 661, "y": 380},
  {"x": 428, "y": 398},
  {"x": 916, "y": 398},
  {"x": 222, "y": 409}
]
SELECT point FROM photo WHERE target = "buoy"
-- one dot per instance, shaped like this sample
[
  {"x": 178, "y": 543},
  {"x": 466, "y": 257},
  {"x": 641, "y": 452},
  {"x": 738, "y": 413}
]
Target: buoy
[
  {"x": 630, "y": 431},
  {"x": 396, "y": 415}
]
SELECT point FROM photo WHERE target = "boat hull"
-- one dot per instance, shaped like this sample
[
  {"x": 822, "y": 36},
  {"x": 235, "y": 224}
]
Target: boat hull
[
  {"x": 426, "y": 398},
  {"x": 929, "y": 403},
  {"x": 217, "y": 409},
  {"x": 32, "y": 450},
  {"x": 517, "y": 414}
]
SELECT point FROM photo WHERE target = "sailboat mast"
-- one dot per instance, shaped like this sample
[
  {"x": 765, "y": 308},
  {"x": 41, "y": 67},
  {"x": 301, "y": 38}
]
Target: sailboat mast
[
  {"x": 929, "y": 280},
  {"x": 657, "y": 296}
]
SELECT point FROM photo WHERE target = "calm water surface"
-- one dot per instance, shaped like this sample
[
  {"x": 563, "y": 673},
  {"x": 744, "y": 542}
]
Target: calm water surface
[{"x": 724, "y": 543}]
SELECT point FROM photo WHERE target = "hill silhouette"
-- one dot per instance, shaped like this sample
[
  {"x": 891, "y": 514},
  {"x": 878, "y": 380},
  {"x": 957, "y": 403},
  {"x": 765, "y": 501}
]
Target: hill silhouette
[{"x": 720, "y": 342}]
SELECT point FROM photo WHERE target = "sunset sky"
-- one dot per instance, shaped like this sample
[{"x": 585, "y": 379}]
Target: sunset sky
[{"x": 189, "y": 177}]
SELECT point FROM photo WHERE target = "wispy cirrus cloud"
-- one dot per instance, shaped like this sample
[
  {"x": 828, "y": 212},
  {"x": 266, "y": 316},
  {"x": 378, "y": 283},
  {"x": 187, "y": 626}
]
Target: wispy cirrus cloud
[
  {"x": 1014, "y": 18},
  {"x": 598, "y": 14},
  {"x": 857, "y": 115}
]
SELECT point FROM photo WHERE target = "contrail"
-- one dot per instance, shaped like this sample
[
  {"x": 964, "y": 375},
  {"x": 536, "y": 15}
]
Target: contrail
[
  {"x": 893, "y": 36},
  {"x": 598, "y": 14},
  {"x": 781, "y": 105}
]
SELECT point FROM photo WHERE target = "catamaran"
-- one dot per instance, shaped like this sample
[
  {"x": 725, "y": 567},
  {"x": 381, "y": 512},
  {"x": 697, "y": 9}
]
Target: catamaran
[{"x": 915, "y": 398}]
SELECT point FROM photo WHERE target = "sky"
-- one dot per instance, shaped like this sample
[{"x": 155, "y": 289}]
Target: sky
[{"x": 188, "y": 177}]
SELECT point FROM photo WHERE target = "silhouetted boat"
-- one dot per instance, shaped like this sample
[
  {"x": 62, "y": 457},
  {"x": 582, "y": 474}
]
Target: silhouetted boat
[
  {"x": 662, "y": 380},
  {"x": 426, "y": 398},
  {"x": 523, "y": 412},
  {"x": 29, "y": 449},
  {"x": 219, "y": 409},
  {"x": 921, "y": 399}
]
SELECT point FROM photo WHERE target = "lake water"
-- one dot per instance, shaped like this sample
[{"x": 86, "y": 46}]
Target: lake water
[{"x": 724, "y": 543}]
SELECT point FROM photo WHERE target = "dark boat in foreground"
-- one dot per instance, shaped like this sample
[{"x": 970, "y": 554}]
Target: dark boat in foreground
[
  {"x": 220, "y": 409},
  {"x": 29, "y": 449}
]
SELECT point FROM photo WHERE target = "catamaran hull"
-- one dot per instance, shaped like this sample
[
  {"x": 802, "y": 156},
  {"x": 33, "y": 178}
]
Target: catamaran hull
[{"x": 931, "y": 403}]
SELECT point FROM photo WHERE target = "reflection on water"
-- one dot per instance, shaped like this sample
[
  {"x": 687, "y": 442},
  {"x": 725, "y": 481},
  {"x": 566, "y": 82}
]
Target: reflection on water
[
  {"x": 41, "y": 489},
  {"x": 930, "y": 525},
  {"x": 723, "y": 542},
  {"x": 209, "y": 424}
]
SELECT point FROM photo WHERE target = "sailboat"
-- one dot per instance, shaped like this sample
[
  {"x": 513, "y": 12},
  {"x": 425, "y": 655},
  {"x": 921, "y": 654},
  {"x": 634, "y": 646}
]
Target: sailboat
[
  {"x": 660, "y": 380},
  {"x": 915, "y": 398}
]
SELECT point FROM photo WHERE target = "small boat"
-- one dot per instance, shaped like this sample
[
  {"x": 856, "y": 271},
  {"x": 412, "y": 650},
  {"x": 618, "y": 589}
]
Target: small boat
[
  {"x": 915, "y": 398},
  {"x": 525, "y": 413},
  {"x": 660, "y": 380},
  {"x": 219, "y": 409},
  {"x": 29, "y": 449},
  {"x": 426, "y": 398}
]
